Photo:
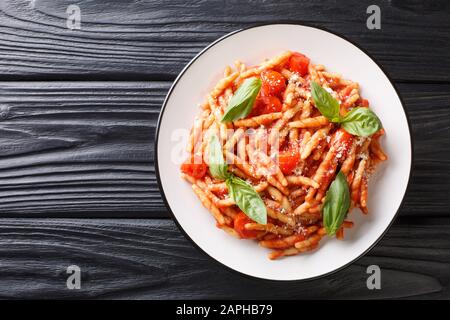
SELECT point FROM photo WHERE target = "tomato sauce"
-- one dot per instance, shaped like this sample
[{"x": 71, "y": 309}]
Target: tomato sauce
[
  {"x": 240, "y": 221},
  {"x": 195, "y": 170},
  {"x": 341, "y": 144}
]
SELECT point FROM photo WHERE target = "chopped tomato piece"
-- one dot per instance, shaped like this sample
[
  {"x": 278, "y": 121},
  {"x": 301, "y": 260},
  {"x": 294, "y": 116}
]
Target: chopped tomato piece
[
  {"x": 272, "y": 104},
  {"x": 266, "y": 104},
  {"x": 240, "y": 221},
  {"x": 195, "y": 170},
  {"x": 299, "y": 63},
  {"x": 273, "y": 82},
  {"x": 287, "y": 160},
  {"x": 258, "y": 106}
]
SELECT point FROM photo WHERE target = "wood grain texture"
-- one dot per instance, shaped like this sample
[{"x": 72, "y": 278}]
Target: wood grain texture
[
  {"x": 141, "y": 40},
  {"x": 136, "y": 259},
  {"x": 74, "y": 149},
  {"x": 79, "y": 147}
]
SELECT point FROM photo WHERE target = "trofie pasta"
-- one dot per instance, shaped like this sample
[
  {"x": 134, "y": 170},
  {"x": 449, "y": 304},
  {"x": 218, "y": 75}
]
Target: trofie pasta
[{"x": 282, "y": 151}]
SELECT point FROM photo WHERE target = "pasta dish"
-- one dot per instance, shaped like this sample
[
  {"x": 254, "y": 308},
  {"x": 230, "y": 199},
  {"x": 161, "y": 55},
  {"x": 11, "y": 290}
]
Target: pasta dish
[{"x": 282, "y": 151}]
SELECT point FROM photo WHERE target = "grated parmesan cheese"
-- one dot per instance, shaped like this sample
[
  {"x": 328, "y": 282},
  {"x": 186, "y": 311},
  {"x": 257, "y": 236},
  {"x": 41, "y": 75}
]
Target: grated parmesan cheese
[
  {"x": 360, "y": 141},
  {"x": 294, "y": 77},
  {"x": 363, "y": 156}
]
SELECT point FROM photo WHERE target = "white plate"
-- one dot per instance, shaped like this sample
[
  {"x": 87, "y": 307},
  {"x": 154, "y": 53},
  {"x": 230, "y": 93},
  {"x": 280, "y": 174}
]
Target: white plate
[{"x": 387, "y": 187}]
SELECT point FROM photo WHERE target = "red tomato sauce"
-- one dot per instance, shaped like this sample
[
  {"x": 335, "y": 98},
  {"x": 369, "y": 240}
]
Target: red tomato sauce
[
  {"x": 288, "y": 160},
  {"x": 240, "y": 221},
  {"x": 195, "y": 170},
  {"x": 341, "y": 143}
]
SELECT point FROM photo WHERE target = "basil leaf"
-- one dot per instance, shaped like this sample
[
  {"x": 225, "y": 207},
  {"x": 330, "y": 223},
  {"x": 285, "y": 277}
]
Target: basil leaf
[
  {"x": 242, "y": 193},
  {"x": 217, "y": 166},
  {"x": 337, "y": 203},
  {"x": 324, "y": 101},
  {"x": 361, "y": 122},
  {"x": 241, "y": 103},
  {"x": 247, "y": 199}
]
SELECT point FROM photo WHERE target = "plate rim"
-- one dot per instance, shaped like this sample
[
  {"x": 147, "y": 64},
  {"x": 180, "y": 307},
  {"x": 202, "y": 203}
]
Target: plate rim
[{"x": 161, "y": 189}]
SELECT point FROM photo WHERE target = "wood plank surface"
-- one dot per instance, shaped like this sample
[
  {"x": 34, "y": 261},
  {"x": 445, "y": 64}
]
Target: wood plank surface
[
  {"x": 79, "y": 147},
  {"x": 74, "y": 149},
  {"x": 142, "y": 40},
  {"x": 151, "y": 259}
]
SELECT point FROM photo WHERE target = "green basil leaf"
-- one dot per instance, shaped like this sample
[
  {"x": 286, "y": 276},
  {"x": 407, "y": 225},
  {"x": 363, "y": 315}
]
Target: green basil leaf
[
  {"x": 324, "y": 101},
  {"x": 361, "y": 122},
  {"x": 336, "y": 205},
  {"x": 247, "y": 199},
  {"x": 241, "y": 103},
  {"x": 217, "y": 166}
]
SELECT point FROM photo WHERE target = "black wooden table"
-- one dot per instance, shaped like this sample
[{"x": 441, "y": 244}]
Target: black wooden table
[{"x": 78, "y": 110}]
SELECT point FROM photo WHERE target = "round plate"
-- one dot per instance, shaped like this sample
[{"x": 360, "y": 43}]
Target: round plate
[{"x": 387, "y": 187}]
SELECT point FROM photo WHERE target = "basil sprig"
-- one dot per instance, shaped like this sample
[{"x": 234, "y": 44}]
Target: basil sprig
[
  {"x": 336, "y": 205},
  {"x": 324, "y": 101},
  {"x": 360, "y": 121},
  {"x": 241, "y": 192},
  {"x": 241, "y": 103},
  {"x": 247, "y": 199},
  {"x": 217, "y": 166}
]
